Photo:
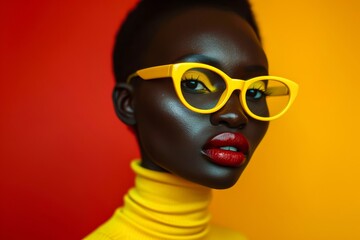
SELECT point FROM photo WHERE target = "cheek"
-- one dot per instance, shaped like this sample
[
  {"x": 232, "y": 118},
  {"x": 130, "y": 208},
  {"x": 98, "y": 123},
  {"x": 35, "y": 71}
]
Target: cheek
[
  {"x": 155, "y": 106},
  {"x": 164, "y": 124},
  {"x": 256, "y": 131}
]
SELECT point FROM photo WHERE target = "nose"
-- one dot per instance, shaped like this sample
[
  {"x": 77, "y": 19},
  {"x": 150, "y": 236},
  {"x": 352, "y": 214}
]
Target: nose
[{"x": 231, "y": 114}]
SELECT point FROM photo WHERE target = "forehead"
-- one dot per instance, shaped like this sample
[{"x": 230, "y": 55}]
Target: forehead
[{"x": 217, "y": 34}]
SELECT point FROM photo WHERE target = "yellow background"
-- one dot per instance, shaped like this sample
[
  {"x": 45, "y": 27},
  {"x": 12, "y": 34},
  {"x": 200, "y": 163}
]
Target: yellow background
[{"x": 303, "y": 182}]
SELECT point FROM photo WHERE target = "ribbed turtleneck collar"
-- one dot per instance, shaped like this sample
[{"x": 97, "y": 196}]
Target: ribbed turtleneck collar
[{"x": 164, "y": 206}]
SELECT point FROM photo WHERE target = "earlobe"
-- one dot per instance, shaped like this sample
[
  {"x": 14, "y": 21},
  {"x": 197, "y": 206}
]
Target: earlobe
[{"x": 123, "y": 103}]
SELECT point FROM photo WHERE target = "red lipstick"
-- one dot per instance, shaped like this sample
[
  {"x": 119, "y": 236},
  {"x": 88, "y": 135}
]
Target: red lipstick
[{"x": 227, "y": 149}]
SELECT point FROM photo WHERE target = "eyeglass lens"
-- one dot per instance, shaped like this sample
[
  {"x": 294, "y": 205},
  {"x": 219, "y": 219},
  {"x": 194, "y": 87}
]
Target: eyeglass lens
[{"x": 203, "y": 89}]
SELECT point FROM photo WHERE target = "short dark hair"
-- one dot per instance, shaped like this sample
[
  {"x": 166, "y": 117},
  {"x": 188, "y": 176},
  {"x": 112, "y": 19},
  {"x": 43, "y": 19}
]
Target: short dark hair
[{"x": 133, "y": 35}]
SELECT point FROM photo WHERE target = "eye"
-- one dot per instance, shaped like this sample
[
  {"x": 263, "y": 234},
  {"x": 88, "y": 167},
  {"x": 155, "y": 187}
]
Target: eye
[
  {"x": 196, "y": 81},
  {"x": 256, "y": 91},
  {"x": 193, "y": 85},
  {"x": 255, "y": 94}
]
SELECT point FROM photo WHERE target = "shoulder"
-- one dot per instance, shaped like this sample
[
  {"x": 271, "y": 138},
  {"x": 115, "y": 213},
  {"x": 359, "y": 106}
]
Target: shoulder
[
  {"x": 103, "y": 232},
  {"x": 96, "y": 235},
  {"x": 219, "y": 232},
  {"x": 109, "y": 230}
]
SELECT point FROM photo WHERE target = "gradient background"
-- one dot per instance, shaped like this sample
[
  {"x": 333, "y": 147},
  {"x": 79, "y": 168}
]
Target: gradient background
[{"x": 65, "y": 157}]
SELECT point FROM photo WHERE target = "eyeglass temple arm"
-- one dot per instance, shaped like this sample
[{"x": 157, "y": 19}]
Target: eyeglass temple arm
[
  {"x": 154, "y": 72},
  {"x": 278, "y": 91}
]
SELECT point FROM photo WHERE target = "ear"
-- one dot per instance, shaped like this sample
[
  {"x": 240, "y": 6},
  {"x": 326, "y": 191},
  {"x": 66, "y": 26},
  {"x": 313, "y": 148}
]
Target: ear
[{"x": 123, "y": 103}]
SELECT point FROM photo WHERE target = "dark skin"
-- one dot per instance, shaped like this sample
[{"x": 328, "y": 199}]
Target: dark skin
[{"x": 171, "y": 136}]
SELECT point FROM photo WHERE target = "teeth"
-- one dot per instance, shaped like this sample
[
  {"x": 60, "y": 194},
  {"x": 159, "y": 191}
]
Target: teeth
[{"x": 229, "y": 148}]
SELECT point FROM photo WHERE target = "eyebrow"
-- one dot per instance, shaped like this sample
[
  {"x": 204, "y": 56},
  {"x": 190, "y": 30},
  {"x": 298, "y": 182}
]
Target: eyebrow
[
  {"x": 200, "y": 59},
  {"x": 215, "y": 63}
]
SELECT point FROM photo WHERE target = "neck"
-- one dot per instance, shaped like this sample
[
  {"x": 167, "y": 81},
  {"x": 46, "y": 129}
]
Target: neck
[{"x": 167, "y": 206}]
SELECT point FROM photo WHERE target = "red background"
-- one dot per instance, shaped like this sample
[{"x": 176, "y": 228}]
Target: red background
[{"x": 64, "y": 154}]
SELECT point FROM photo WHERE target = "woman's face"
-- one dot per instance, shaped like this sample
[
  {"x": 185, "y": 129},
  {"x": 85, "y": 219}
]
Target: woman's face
[{"x": 194, "y": 146}]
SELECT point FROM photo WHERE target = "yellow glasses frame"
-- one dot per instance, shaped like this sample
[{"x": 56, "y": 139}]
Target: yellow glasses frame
[{"x": 176, "y": 71}]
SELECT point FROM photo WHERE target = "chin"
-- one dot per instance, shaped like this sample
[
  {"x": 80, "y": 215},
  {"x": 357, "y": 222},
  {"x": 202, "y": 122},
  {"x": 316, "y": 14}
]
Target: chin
[
  {"x": 220, "y": 177},
  {"x": 224, "y": 185}
]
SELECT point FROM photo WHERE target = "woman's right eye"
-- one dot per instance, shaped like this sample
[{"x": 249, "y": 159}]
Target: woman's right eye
[{"x": 194, "y": 86}]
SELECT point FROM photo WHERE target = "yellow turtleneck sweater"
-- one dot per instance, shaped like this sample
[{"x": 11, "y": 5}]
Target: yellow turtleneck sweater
[{"x": 162, "y": 206}]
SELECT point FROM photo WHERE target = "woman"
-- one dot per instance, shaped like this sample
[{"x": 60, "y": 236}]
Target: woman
[{"x": 191, "y": 85}]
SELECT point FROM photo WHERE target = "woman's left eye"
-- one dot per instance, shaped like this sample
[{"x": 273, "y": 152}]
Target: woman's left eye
[{"x": 255, "y": 94}]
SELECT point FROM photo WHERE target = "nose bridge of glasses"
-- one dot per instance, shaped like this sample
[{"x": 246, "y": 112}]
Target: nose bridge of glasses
[
  {"x": 232, "y": 86},
  {"x": 235, "y": 84}
]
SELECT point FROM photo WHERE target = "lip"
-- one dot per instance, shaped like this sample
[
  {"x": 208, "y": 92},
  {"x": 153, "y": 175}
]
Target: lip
[{"x": 217, "y": 149}]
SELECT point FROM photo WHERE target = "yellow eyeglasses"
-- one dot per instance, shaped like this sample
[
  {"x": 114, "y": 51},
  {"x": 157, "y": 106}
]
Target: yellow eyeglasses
[{"x": 205, "y": 89}]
